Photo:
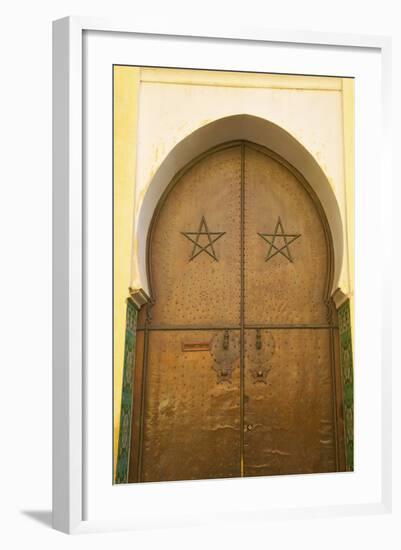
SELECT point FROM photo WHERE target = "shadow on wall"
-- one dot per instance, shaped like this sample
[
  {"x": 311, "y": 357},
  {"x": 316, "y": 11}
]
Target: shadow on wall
[{"x": 40, "y": 516}]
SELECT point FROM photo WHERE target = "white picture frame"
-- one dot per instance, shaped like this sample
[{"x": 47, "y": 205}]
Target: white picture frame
[{"x": 71, "y": 428}]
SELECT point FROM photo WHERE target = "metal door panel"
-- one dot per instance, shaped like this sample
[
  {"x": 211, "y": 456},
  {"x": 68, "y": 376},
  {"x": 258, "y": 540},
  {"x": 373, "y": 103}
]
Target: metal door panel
[
  {"x": 288, "y": 285},
  {"x": 288, "y": 420},
  {"x": 191, "y": 417},
  {"x": 236, "y": 366},
  {"x": 191, "y": 287},
  {"x": 289, "y": 424}
]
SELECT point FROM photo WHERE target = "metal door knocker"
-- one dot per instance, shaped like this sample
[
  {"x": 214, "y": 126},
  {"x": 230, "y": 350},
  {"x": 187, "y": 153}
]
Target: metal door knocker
[
  {"x": 261, "y": 358},
  {"x": 225, "y": 351}
]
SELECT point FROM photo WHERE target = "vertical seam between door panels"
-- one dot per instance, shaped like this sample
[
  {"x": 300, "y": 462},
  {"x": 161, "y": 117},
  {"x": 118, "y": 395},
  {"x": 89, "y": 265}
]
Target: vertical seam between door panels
[{"x": 242, "y": 305}]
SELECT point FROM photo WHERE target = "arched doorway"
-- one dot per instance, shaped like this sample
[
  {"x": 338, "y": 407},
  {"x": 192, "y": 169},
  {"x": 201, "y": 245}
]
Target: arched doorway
[{"x": 236, "y": 370}]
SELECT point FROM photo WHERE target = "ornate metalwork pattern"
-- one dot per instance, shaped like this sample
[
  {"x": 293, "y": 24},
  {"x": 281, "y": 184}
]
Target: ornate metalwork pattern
[
  {"x": 264, "y": 351},
  {"x": 344, "y": 322},
  {"x": 211, "y": 238},
  {"x": 126, "y": 397},
  {"x": 225, "y": 353},
  {"x": 287, "y": 238}
]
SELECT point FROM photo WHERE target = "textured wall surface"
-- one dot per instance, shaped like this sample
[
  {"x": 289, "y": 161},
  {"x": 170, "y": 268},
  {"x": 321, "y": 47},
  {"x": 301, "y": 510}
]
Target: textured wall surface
[{"x": 346, "y": 360}]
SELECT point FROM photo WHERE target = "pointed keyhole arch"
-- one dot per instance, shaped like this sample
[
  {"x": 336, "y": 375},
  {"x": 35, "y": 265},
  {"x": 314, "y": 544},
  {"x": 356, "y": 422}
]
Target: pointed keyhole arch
[{"x": 237, "y": 127}]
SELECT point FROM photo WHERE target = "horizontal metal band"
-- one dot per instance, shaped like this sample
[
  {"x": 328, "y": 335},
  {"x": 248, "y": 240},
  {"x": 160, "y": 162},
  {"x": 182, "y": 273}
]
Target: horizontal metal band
[{"x": 237, "y": 327}]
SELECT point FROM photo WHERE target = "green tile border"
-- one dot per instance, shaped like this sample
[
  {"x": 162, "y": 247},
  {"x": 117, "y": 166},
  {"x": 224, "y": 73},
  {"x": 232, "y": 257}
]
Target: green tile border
[
  {"x": 124, "y": 439},
  {"x": 347, "y": 372}
]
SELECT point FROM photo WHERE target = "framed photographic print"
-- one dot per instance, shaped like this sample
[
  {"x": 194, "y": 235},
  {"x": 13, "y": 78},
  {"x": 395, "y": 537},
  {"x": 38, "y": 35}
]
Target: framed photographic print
[
  {"x": 233, "y": 350},
  {"x": 219, "y": 336}
]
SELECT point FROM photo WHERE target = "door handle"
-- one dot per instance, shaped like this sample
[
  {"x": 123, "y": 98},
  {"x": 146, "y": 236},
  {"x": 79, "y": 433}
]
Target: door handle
[
  {"x": 258, "y": 339},
  {"x": 225, "y": 354}
]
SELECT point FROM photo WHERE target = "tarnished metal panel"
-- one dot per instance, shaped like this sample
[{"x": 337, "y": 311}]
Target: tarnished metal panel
[
  {"x": 194, "y": 248},
  {"x": 286, "y": 250},
  {"x": 236, "y": 365},
  {"x": 288, "y": 421},
  {"x": 191, "y": 421}
]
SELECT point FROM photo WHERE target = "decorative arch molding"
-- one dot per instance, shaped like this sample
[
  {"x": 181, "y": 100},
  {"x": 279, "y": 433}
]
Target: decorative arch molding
[{"x": 238, "y": 127}]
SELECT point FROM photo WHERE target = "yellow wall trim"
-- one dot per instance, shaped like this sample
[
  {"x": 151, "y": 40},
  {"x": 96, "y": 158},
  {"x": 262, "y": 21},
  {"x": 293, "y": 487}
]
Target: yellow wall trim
[
  {"x": 125, "y": 111},
  {"x": 348, "y": 111},
  {"x": 239, "y": 80}
]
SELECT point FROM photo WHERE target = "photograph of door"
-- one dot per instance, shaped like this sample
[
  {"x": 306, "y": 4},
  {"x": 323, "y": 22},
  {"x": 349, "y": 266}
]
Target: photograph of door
[{"x": 237, "y": 353}]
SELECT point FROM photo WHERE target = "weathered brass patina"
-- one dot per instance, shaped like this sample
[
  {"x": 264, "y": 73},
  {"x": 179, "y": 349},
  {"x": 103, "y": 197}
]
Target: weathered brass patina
[{"x": 240, "y": 264}]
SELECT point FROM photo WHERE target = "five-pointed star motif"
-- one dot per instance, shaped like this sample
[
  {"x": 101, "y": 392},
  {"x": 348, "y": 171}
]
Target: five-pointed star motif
[
  {"x": 273, "y": 248},
  {"x": 211, "y": 238}
]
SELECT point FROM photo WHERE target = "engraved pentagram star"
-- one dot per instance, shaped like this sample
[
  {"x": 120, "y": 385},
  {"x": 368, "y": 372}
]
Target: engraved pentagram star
[
  {"x": 282, "y": 237},
  {"x": 203, "y": 240}
]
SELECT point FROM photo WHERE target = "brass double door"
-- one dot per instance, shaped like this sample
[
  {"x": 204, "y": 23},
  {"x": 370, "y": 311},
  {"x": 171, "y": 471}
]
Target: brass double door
[{"x": 236, "y": 364}]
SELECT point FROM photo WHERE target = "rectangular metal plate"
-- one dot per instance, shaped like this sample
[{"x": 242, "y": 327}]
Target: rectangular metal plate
[{"x": 195, "y": 346}]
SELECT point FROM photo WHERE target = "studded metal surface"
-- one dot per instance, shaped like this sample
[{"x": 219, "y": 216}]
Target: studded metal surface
[
  {"x": 259, "y": 395},
  {"x": 201, "y": 291},
  {"x": 191, "y": 422},
  {"x": 280, "y": 290},
  {"x": 290, "y": 408}
]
